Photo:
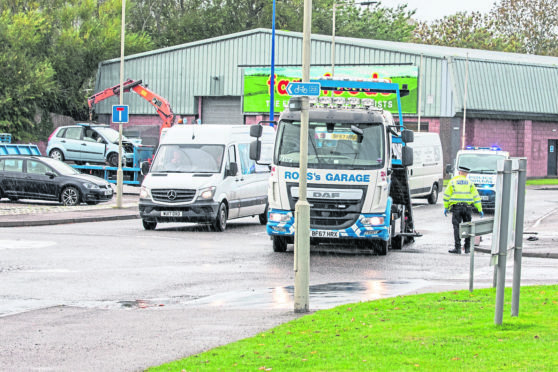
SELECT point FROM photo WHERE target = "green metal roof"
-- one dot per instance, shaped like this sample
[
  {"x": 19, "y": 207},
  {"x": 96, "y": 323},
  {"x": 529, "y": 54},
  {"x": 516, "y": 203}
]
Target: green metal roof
[{"x": 503, "y": 84}]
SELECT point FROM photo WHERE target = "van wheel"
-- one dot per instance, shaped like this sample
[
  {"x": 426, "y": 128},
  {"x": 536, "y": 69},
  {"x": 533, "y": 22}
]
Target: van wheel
[
  {"x": 263, "y": 217},
  {"x": 433, "y": 197},
  {"x": 279, "y": 244},
  {"x": 148, "y": 225},
  {"x": 112, "y": 159},
  {"x": 220, "y": 223}
]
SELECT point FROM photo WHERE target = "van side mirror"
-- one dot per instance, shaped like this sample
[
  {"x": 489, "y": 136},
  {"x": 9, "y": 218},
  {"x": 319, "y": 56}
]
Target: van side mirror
[
  {"x": 256, "y": 131},
  {"x": 145, "y": 167},
  {"x": 255, "y": 150},
  {"x": 407, "y": 136},
  {"x": 233, "y": 169},
  {"x": 449, "y": 169},
  {"x": 407, "y": 156}
]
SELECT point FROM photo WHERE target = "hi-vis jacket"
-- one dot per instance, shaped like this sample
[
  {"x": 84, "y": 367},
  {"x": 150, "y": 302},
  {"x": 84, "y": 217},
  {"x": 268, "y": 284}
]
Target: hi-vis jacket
[{"x": 461, "y": 190}]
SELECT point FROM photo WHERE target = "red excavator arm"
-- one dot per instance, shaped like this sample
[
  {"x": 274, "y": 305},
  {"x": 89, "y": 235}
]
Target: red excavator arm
[{"x": 161, "y": 105}]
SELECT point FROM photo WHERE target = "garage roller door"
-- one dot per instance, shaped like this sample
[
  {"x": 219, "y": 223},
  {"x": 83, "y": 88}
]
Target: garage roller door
[{"x": 221, "y": 110}]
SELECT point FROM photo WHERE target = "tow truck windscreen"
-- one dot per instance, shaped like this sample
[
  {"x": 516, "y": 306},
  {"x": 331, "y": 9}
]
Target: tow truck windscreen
[
  {"x": 332, "y": 145},
  {"x": 188, "y": 159},
  {"x": 480, "y": 163}
]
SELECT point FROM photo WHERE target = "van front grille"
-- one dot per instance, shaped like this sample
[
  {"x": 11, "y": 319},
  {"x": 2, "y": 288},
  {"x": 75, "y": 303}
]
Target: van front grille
[{"x": 173, "y": 195}]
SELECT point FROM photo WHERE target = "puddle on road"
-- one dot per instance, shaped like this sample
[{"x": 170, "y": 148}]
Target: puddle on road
[{"x": 322, "y": 296}]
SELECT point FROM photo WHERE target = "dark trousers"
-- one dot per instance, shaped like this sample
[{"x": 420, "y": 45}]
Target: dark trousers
[{"x": 460, "y": 213}]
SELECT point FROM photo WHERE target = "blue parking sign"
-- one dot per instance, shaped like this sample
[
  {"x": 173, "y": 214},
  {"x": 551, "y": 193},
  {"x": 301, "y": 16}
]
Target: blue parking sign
[{"x": 120, "y": 113}]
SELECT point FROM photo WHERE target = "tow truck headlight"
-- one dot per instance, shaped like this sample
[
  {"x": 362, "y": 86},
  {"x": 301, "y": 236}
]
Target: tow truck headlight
[
  {"x": 207, "y": 193},
  {"x": 372, "y": 221},
  {"x": 280, "y": 217},
  {"x": 145, "y": 193}
]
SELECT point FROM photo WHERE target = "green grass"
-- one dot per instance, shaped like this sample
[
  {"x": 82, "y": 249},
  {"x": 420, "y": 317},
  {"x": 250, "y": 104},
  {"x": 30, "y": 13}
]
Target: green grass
[{"x": 431, "y": 332}]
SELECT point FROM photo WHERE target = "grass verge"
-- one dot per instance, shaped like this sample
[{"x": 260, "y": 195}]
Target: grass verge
[{"x": 432, "y": 332}]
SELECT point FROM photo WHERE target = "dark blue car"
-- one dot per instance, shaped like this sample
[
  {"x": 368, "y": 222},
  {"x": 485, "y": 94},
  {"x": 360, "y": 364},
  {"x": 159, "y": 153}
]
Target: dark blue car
[{"x": 43, "y": 178}]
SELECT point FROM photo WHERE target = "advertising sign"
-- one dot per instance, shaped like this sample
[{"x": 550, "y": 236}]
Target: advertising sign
[{"x": 257, "y": 86}]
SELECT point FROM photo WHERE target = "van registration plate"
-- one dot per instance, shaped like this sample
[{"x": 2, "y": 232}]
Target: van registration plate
[
  {"x": 171, "y": 213},
  {"x": 324, "y": 234}
]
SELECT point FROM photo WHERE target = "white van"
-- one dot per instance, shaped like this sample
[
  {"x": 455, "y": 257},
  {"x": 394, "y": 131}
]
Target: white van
[
  {"x": 203, "y": 174},
  {"x": 427, "y": 172}
]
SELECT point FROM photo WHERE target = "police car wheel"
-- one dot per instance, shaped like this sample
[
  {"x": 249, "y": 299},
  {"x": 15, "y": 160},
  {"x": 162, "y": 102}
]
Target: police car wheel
[
  {"x": 279, "y": 244},
  {"x": 433, "y": 197}
]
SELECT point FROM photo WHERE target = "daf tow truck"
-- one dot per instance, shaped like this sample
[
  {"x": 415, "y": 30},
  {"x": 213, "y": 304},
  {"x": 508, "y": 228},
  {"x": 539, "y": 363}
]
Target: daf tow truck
[
  {"x": 358, "y": 188},
  {"x": 483, "y": 165}
]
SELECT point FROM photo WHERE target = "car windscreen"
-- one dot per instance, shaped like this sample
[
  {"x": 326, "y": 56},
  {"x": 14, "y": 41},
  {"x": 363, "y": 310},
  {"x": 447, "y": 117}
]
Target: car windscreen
[
  {"x": 485, "y": 163},
  {"x": 110, "y": 134},
  {"x": 332, "y": 145},
  {"x": 62, "y": 168},
  {"x": 188, "y": 158}
]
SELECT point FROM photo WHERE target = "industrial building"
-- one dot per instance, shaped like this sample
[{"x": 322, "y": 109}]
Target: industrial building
[{"x": 508, "y": 100}]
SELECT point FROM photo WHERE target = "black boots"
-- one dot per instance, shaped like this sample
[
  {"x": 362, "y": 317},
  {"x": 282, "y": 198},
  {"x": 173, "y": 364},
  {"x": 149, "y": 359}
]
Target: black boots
[
  {"x": 455, "y": 250},
  {"x": 467, "y": 250}
]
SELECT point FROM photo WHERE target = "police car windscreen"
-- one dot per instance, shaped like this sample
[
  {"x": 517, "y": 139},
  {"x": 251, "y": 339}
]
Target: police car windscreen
[
  {"x": 485, "y": 163},
  {"x": 332, "y": 145}
]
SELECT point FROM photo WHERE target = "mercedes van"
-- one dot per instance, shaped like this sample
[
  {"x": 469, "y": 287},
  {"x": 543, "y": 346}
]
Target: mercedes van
[
  {"x": 204, "y": 174},
  {"x": 427, "y": 172}
]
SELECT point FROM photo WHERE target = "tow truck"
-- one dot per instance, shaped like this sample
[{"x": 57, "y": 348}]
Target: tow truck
[
  {"x": 483, "y": 165},
  {"x": 358, "y": 188}
]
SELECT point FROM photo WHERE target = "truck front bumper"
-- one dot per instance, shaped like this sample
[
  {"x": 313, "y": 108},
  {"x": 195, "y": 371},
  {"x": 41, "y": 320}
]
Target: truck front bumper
[
  {"x": 201, "y": 212},
  {"x": 358, "y": 230}
]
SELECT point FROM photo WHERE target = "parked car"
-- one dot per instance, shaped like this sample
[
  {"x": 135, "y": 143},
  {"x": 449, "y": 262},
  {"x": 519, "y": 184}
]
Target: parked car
[
  {"x": 40, "y": 177},
  {"x": 89, "y": 143}
]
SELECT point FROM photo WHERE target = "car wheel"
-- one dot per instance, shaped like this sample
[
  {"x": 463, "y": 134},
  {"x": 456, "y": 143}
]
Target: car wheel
[
  {"x": 149, "y": 225},
  {"x": 57, "y": 154},
  {"x": 263, "y": 217},
  {"x": 112, "y": 159},
  {"x": 279, "y": 244},
  {"x": 220, "y": 223},
  {"x": 433, "y": 197},
  {"x": 69, "y": 196}
]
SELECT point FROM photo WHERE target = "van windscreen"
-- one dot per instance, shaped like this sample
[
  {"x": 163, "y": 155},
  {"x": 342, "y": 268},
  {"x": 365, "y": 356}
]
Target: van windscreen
[{"x": 188, "y": 158}]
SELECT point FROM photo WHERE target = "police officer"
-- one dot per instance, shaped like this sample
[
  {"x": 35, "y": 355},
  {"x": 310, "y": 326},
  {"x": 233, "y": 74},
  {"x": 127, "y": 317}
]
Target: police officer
[{"x": 459, "y": 197}]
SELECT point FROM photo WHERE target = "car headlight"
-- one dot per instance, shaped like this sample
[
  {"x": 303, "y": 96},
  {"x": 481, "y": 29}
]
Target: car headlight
[
  {"x": 372, "y": 220},
  {"x": 280, "y": 217},
  {"x": 145, "y": 193},
  {"x": 207, "y": 193},
  {"x": 91, "y": 186}
]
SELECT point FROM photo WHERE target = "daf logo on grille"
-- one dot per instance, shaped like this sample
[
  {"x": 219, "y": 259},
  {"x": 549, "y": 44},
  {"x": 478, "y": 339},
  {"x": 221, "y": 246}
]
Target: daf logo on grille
[
  {"x": 171, "y": 194},
  {"x": 326, "y": 195}
]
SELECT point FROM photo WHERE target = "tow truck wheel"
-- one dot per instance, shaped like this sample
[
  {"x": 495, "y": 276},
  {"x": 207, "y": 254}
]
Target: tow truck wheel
[
  {"x": 57, "y": 154},
  {"x": 112, "y": 159},
  {"x": 397, "y": 242},
  {"x": 433, "y": 197},
  {"x": 220, "y": 223},
  {"x": 382, "y": 247},
  {"x": 279, "y": 244},
  {"x": 148, "y": 225}
]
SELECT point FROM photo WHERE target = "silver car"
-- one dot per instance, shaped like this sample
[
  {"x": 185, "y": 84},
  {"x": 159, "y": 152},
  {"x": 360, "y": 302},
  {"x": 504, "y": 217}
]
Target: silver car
[{"x": 89, "y": 143}]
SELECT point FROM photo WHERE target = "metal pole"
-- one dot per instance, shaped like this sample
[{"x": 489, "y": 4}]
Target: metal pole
[
  {"x": 517, "y": 254},
  {"x": 302, "y": 207},
  {"x": 119, "y": 174},
  {"x": 465, "y": 101},
  {"x": 472, "y": 260},
  {"x": 419, "y": 94},
  {"x": 272, "y": 83},
  {"x": 503, "y": 242},
  {"x": 333, "y": 42}
]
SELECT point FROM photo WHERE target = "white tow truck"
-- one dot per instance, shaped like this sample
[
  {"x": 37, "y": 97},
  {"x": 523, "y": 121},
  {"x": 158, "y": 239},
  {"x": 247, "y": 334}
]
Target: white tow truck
[
  {"x": 483, "y": 165},
  {"x": 357, "y": 171}
]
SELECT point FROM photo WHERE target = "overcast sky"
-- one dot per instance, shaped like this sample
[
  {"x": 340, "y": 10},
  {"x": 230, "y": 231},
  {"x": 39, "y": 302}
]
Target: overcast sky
[{"x": 429, "y": 10}]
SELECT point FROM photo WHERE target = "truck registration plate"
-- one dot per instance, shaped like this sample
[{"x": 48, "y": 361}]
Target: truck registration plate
[
  {"x": 324, "y": 234},
  {"x": 171, "y": 214}
]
